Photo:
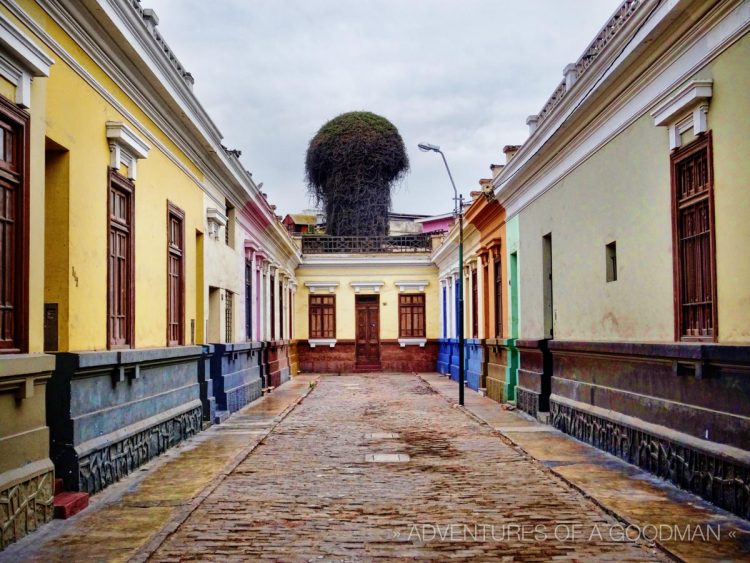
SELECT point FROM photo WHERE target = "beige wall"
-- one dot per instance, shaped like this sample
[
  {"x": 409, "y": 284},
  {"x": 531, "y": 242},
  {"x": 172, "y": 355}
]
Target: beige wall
[
  {"x": 729, "y": 118},
  {"x": 345, "y": 295},
  {"x": 619, "y": 194},
  {"x": 622, "y": 193}
]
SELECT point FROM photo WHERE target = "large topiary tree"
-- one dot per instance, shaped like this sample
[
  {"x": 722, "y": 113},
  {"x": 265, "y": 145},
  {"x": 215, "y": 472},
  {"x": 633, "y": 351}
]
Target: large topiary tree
[{"x": 352, "y": 163}]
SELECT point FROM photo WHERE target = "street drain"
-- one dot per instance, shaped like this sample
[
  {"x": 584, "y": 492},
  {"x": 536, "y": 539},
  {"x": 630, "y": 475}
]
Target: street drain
[
  {"x": 387, "y": 458},
  {"x": 381, "y": 436}
]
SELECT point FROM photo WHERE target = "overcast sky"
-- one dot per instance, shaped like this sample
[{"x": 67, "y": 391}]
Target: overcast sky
[{"x": 462, "y": 74}]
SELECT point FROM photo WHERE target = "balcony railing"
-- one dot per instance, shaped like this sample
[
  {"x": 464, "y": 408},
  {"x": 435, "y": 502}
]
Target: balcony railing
[{"x": 323, "y": 244}]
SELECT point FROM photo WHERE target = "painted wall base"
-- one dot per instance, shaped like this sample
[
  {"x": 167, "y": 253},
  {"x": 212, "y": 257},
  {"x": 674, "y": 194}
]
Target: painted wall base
[
  {"x": 206, "y": 384},
  {"x": 719, "y": 475},
  {"x": 110, "y": 412},
  {"x": 474, "y": 356},
  {"x": 534, "y": 376},
  {"x": 235, "y": 372},
  {"x": 26, "y": 500},
  {"x": 26, "y": 472},
  {"x": 293, "y": 358},
  {"x": 342, "y": 358},
  {"x": 276, "y": 362}
]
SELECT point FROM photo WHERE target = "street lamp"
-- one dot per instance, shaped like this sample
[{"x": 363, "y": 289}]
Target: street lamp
[{"x": 459, "y": 201}]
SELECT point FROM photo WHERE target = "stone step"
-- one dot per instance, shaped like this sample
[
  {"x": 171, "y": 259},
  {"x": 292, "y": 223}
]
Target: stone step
[
  {"x": 68, "y": 504},
  {"x": 221, "y": 416}
]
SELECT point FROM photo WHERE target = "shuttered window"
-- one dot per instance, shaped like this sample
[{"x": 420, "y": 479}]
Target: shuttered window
[
  {"x": 695, "y": 279},
  {"x": 411, "y": 309},
  {"x": 175, "y": 275},
  {"x": 322, "y": 316},
  {"x": 228, "y": 317},
  {"x": 13, "y": 228},
  {"x": 121, "y": 291}
]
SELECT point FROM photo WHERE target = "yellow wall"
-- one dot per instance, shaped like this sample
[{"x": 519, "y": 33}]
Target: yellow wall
[
  {"x": 619, "y": 194},
  {"x": 622, "y": 193},
  {"x": 345, "y": 294},
  {"x": 75, "y": 119},
  {"x": 729, "y": 118}
]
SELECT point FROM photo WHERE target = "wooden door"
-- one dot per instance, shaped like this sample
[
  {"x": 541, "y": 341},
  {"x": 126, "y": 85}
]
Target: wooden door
[{"x": 368, "y": 331}]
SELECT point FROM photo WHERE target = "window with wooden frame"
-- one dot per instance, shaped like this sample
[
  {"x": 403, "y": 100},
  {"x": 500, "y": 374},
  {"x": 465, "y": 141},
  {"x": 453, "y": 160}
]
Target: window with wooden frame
[
  {"x": 228, "y": 316},
  {"x": 14, "y": 228},
  {"x": 474, "y": 305},
  {"x": 322, "y": 310},
  {"x": 175, "y": 275},
  {"x": 248, "y": 300},
  {"x": 693, "y": 237},
  {"x": 498, "y": 298},
  {"x": 411, "y": 312},
  {"x": 120, "y": 266},
  {"x": 291, "y": 310}
]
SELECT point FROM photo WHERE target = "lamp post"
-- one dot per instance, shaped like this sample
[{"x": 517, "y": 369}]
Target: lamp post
[{"x": 459, "y": 201}]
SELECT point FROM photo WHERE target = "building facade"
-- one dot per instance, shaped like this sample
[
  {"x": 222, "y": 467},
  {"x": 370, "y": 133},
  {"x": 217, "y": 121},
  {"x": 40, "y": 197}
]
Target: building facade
[
  {"x": 147, "y": 283},
  {"x": 630, "y": 206}
]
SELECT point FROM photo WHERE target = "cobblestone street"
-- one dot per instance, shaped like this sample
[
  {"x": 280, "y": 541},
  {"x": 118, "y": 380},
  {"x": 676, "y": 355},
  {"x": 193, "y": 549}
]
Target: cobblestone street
[{"x": 315, "y": 489}]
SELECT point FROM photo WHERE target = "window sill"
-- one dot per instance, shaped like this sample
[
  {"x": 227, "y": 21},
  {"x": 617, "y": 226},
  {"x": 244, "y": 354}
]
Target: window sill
[
  {"x": 412, "y": 342},
  {"x": 330, "y": 342}
]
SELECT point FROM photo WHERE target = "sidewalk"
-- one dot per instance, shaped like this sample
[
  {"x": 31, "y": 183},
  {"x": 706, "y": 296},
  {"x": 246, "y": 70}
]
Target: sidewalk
[
  {"x": 143, "y": 509},
  {"x": 628, "y": 493}
]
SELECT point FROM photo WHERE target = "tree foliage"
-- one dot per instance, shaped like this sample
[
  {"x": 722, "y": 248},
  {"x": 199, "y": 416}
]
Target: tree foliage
[{"x": 352, "y": 163}]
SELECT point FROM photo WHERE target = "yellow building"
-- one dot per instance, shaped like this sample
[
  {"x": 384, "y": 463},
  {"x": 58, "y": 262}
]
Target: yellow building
[
  {"x": 115, "y": 176},
  {"x": 367, "y": 305}
]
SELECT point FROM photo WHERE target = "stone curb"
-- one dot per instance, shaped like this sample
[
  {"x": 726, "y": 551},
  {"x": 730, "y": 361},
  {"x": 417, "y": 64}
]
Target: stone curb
[
  {"x": 147, "y": 550},
  {"x": 477, "y": 418}
]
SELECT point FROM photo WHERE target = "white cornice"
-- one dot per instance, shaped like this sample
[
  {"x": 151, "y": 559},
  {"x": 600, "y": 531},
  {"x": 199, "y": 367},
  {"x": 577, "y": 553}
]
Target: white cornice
[
  {"x": 322, "y": 286},
  {"x": 373, "y": 286},
  {"x": 714, "y": 33},
  {"x": 20, "y": 61},
  {"x": 419, "y": 285},
  {"x": 364, "y": 261}
]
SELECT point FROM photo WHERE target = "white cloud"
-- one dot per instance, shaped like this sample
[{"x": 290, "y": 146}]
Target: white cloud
[{"x": 463, "y": 75}]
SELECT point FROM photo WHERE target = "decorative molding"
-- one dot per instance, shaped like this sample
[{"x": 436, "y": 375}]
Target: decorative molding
[
  {"x": 322, "y": 286},
  {"x": 404, "y": 342},
  {"x": 103, "y": 467},
  {"x": 21, "y": 60},
  {"x": 684, "y": 110},
  {"x": 412, "y": 285},
  {"x": 216, "y": 220},
  {"x": 330, "y": 342},
  {"x": 373, "y": 286},
  {"x": 522, "y": 182},
  {"x": 27, "y": 503},
  {"x": 717, "y": 479},
  {"x": 125, "y": 147}
]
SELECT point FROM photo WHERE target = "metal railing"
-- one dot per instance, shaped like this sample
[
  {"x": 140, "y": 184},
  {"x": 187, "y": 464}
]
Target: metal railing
[{"x": 323, "y": 244}]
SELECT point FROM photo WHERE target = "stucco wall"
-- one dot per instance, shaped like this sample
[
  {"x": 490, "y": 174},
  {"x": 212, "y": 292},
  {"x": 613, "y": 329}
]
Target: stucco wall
[
  {"x": 75, "y": 120},
  {"x": 622, "y": 194},
  {"x": 729, "y": 118},
  {"x": 345, "y": 297}
]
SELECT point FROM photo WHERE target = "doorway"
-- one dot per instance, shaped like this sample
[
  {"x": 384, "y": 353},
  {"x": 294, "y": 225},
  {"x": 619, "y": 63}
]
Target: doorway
[{"x": 367, "y": 332}]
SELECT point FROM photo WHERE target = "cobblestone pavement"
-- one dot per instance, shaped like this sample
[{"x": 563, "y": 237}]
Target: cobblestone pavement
[{"x": 308, "y": 491}]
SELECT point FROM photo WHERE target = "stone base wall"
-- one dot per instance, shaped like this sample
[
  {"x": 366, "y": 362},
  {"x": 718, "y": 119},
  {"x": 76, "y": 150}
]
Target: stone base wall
[
  {"x": 235, "y": 372},
  {"x": 677, "y": 410},
  {"x": 26, "y": 472},
  {"x": 342, "y": 358},
  {"x": 474, "y": 357},
  {"x": 410, "y": 358},
  {"x": 534, "y": 376},
  {"x": 497, "y": 370},
  {"x": 110, "y": 412},
  {"x": 444, "y": 355},
  {"x": 206, "y": 384},
  {"x": 276, "y": 362},
  {"x": 293, "y": 358}
]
